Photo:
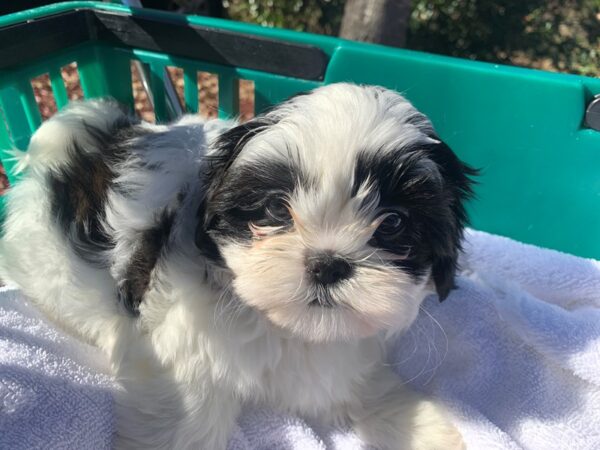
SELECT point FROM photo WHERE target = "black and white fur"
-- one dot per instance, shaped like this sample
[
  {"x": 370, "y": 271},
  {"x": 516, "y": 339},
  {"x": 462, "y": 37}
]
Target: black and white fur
[{"x": 220, "y": 264}]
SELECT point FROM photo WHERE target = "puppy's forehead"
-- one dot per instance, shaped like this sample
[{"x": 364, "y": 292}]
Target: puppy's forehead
[{"x": 324, "y": 133}]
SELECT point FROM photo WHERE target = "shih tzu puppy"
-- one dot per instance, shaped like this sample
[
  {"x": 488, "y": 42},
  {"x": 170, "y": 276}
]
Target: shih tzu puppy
[{"x": 221, "y": 264}]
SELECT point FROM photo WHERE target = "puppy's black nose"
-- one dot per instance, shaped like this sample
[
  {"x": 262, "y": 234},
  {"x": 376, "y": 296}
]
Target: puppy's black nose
[{"x": 326, "y": 268}]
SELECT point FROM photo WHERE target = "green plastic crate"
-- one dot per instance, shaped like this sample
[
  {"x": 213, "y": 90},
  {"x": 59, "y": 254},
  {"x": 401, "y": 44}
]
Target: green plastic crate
[{"x": 525, "y": 129}]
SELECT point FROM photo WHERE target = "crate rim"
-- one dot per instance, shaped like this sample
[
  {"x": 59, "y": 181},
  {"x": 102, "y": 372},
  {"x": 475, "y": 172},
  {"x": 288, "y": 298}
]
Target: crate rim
[{"x": 328, "y": 44}]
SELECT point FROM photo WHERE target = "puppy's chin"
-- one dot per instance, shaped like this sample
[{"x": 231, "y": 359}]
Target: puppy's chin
[{"x": 270, "y": 276}]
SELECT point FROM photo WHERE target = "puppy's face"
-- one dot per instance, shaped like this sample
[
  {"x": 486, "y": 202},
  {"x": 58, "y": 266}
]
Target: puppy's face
[{"x": 335, "y": 212}]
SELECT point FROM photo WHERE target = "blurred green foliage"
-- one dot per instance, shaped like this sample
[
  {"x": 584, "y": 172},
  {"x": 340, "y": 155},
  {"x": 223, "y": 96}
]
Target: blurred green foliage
[
  {"x": 316, "y": 16},
  {"x": 560, "y": 35}
]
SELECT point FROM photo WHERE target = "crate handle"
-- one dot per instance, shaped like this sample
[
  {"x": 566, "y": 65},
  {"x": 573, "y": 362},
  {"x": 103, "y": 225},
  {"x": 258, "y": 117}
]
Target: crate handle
[
  {"x": 174, "y": 107},
  {"x": 592, "y": 114}
]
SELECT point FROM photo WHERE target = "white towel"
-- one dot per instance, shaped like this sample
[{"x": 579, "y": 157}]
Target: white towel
[
  {"x": 54, "y": 391},
  {"x": 513, "y": 353}
]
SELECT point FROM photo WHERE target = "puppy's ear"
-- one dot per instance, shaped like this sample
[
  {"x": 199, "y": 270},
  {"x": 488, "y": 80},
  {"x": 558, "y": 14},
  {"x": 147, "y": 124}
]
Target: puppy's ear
[
  {"x": 458, "y": 188},
  {"x": 214, "y": 169},
  {"x": 443, "y": 272}
]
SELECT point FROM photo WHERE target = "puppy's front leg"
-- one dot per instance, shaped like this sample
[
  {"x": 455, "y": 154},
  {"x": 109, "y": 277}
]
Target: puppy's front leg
[
  {"x": 155, "y": 411},
  {"x": 392, "y": 417}
]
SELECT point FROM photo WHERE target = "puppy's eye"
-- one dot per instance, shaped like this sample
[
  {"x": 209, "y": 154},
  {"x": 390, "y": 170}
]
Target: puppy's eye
[
  {"x": 277, "y": 210},
  {"x": 391, "y": 225}
]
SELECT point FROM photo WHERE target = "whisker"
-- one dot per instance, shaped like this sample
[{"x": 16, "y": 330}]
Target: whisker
[
  {"x": 366, "y": 257},
  {"x": 299, "y": 285},
  {"x": 404, "y": 382},
  {"x": 414, "y": 350},
  {"x": 441, "y": 360}
]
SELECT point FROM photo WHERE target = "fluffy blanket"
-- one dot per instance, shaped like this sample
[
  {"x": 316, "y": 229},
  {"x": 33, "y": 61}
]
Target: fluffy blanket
[{"x": 54, "y": 391}]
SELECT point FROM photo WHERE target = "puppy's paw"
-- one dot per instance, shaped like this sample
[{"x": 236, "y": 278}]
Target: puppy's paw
[
  {"x": 433, "y": 431},
  {"x": 409, "y": 425}
]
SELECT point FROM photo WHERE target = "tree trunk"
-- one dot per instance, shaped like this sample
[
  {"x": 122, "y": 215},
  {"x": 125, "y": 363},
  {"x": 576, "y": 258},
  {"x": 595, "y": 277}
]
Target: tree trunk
[{"x": 379, "y": 21}]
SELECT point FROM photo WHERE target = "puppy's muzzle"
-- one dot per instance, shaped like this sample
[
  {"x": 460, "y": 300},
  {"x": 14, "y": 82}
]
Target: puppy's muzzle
[{"x": 326, "y": 268}]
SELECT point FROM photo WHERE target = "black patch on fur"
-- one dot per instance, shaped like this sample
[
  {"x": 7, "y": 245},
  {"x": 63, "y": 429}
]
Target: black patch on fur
[
  {"x": 152, "y": 243},
  {"x": 79, "y": 193},
  {"x": 219, "y": 183},
  {"x": 245, "y": 195},
  {"x": 79, "y": 190},
  {"x": 228, "y": 147},
  {"x": 431, "y": 184},
  {"x": 458, "y": 177}
]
